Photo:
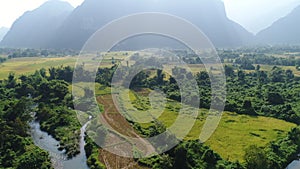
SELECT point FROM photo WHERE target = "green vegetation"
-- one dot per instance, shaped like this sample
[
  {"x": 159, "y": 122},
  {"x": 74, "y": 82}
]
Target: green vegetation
[
  {"x": 251, "y": 95},
  {"x": 2, "y": 59},
  {"x": 61, "y": 123},
  {"x": 189, "y": 154},
  {"x": 92, "y": 154},
  {"x": 17, "y": 149},
  {"x": 229, "y": 140},
  {"x": 270, "y": 157},
  {"x": 258, "y": 128},
  {"x": 27, "y": 66},
  {"x": 54, "y": 111}
]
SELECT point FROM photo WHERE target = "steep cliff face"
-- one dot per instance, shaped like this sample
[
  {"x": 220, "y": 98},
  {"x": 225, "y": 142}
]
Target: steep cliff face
[
  {"x": 208, "y": 15},
  {"x": 53, "y": 25}
]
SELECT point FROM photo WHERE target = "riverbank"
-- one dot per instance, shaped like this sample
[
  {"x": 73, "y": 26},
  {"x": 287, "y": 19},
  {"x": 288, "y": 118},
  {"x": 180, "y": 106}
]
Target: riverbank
[
  {"x": 59, "y": 158},
  {"x": 61, "y": 122}
]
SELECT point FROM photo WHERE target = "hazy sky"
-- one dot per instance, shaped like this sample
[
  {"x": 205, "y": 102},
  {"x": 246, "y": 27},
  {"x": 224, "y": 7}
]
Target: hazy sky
[
  {"x": 254, "y": 15},
  {"x": 10, "y": 10}
]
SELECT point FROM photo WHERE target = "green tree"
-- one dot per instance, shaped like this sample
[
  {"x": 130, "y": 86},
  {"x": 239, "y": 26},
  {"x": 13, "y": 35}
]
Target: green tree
[
  {"x": 11, "y": 81},
  {"x": 277, "y": 74},
  {"x": 229, "y": 71},
  {"x": 35, "y": 158},
  {"x": 289, "y": 75},
  {"x": 274, "y": 98},
  {"x": 241, "y": 76},
  {"x": 247, "y": 108},
  {"x": 255, "y": 158}
]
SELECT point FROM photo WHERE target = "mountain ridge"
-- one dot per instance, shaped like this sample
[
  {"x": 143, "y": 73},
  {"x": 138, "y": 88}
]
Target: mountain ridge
[
  {"x": 87, "y": 18},
  {"x": 283, "y": 31},
  {"x": 3, "y": 31},
  {"x": 73, "y": 28},
  {"x": 35, "y": 28}
]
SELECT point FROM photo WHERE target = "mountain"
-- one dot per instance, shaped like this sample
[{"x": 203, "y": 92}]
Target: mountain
[
  {"x": 3, "y": 32},
  {"x": 35, "y": 29},
  {"x": 56, "y": 25},
  {"x": 208, "y": 15},
  {"x": 284, "y": 31}
]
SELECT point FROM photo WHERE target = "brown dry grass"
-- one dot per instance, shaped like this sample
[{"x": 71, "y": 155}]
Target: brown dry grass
[{"x": 115, "y": 141}]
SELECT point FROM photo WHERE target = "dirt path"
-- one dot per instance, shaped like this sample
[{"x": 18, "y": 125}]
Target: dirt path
[{"x": 113, "y": 118}]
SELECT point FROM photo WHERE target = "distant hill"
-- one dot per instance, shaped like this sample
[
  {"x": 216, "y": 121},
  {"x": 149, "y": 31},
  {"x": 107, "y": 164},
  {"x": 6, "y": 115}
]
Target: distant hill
[
  {"x": 34, "y": 29},
  {"x": 208, "y": 15},
  {"x": 55, "y": 25},
  {"x": 3, "y": 32},
  {"x": 284, "y": 31}
]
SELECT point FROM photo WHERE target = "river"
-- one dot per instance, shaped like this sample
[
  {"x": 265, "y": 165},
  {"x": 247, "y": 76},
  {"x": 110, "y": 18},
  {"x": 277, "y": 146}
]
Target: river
[
  {"x": 58, "y": 158},
  {"x": 294, "y": 165}
]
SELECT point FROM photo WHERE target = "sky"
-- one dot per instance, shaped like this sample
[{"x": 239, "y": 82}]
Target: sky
[
  {"x": 10, "y": 10},
  {"x": 254, "y": 15}
]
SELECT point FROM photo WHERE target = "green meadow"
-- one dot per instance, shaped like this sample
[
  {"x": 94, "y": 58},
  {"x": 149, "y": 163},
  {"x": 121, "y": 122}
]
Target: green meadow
[
  {"x": 29, "y": 65},
  {"x": 233, "y": 135}
]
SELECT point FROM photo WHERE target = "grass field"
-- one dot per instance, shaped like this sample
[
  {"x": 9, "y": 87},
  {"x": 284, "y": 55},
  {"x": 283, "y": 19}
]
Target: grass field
[
  {"x": 28, "y": 65},
  {"x": 237, "y": 132},
  {"x": 268, "y": 68},
  {"x": 292, "y": 68},
  {"x": 233, "y": 135}
]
